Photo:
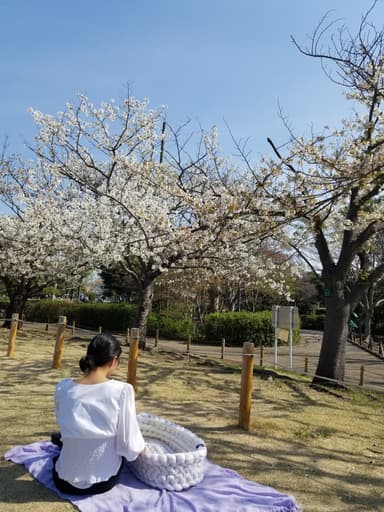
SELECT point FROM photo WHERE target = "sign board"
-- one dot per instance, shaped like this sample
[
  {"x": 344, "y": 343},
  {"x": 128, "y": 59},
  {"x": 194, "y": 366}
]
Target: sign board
[
  {"x": 283, "y": 335},
  {"x": 283, "y": 315}
]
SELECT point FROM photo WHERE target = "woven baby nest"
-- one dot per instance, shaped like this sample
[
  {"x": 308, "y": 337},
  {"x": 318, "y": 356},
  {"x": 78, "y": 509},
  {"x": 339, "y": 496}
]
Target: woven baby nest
[{"x": 173, "y": 458}]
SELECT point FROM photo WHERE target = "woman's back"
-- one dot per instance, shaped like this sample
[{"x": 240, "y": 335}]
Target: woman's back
[
  {"x": 98, "y": 426},
  {"x": 88, "y": 410}
]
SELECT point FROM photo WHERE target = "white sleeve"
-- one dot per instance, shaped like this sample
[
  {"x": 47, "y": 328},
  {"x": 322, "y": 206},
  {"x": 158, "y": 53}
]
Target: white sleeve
[
  {"x": 129, "y": 440},
  {"x": 60, "y": 386}
]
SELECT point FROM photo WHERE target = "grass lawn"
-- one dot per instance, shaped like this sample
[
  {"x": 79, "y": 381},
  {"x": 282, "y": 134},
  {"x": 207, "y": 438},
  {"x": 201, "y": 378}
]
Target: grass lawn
[{"x": 326, "y": 450}]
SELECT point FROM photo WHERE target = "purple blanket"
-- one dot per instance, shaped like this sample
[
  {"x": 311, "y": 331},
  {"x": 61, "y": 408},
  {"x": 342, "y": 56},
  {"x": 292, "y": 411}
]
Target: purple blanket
[{"x": 221, "y": 489}]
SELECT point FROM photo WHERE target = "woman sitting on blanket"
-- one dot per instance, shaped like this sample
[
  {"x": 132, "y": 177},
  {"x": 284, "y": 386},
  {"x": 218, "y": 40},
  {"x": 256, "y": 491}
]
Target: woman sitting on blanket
[{"x": 97, "y": 420}]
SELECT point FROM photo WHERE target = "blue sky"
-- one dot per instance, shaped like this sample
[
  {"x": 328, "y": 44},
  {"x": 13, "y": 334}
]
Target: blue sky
[{"x": 209, "y": 60}]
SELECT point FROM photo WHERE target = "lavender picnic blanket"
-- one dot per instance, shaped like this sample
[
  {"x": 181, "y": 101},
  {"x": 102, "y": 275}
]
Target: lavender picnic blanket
[{"x": 221, "y": 489}]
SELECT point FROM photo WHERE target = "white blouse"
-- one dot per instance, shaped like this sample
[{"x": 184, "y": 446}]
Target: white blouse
[{"x": 98, "y": 426}]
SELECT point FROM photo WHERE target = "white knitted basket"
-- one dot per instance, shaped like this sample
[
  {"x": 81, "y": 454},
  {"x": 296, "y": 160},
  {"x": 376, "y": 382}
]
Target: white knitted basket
[{"x": 173, "y": 458}]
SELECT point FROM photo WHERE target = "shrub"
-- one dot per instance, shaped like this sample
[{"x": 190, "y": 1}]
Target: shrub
[
  {"x": 3, "y": 305},
  {"x": 169, "y": 327},
  {"x": 240, "y": 327},
  {"x": 313, "y": 321},
  {"x": 112, "y": 317},
  {"x": 47, "y": 310}
]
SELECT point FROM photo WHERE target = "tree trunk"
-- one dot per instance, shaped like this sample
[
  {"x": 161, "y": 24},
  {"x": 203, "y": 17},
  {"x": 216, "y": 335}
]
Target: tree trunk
[
  {"x": 145, "y": 297},
  {"x": 367, "y": 328},
  {"x": 16, "y": 304},
  {"x": 214, "y": 298},
  {"x": 368, "y": 311},
  {"x": 331, "y": 363}
]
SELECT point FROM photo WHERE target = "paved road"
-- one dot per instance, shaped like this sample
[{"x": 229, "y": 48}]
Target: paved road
[{"x": 308, "y": 348}]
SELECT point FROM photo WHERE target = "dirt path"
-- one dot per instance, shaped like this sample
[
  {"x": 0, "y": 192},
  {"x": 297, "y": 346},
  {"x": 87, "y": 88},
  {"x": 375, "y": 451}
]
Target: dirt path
[{"x": 325, "y": 450}]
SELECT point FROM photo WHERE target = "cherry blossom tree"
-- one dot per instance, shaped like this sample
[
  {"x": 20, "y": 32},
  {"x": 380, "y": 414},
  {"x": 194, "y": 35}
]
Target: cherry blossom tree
[
  {"x": 40, "y": 242},
  {"x": 200, "y": 291},
  {"x": 331, "y": 183},
  {"x": 171, "y": 203}
]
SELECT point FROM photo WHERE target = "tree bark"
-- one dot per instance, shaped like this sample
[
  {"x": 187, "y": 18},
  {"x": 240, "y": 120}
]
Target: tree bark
[
  {"x": 214, "y": 298},
  {"x": 368, "y": 312},
  {"x": 16, "y": 304},
  {"x": 367, "y": 328},
  {"x": 145, "y": 297},
  {"x": 331, "y": 364}
]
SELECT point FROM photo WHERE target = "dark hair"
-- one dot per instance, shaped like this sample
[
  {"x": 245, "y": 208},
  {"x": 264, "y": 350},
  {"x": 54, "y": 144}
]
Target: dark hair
[{"x": 102, "y": 349}]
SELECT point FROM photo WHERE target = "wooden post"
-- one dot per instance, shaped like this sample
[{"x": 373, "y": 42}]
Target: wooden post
[
  {"x": 127, "y": 336},
  {"x": 246, "y": 385},
  {"x": 262, "y": 355},
  {"x": 306, "y": 365},
  {"x": 46, "y": 326},
  {"x": 157, "y": 335},
  {"x": 188, "y": 344},
  {"x": 73, "y": 327},
  {"x": 132, "y": 357},
  {"x": 222, "y": 347},
  {"x": 60, "y": 333},
  {"x": 362, "y": 375},
  {"x": 12, "y": 334}
]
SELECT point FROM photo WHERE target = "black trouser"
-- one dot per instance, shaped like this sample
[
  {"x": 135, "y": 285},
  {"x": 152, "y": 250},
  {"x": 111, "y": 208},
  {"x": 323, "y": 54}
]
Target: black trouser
[{"x": 68, "y": 488}]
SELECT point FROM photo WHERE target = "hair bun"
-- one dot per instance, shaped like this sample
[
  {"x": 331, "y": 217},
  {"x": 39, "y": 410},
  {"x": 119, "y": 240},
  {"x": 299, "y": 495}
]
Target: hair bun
[
  {"x": 86, "y": 364},
  {"x": 101, "y": 350}
]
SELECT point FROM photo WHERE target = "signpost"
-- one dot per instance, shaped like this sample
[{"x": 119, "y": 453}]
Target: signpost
[{"x": 284, "y": 318}]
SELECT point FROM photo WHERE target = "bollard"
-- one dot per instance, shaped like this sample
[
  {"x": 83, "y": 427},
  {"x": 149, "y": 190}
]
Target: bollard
[
  {"x": 127, "y": 334},
  {"x": 262, "y": 355},
  {"x": 246, "y": 385},
  {"x": 73, "y": 327},
  {"x": 60, "y": 333},
  {"x": 100, "y": 329},
  {"x": 189, "y": 344},
  {"x": 222, "y": 347},
  {"x": 132, "y": 357},
  {"x": 12, "y": 334},
  {"x": 362, "y": 375},
  {"x": 306, "y": 365}
]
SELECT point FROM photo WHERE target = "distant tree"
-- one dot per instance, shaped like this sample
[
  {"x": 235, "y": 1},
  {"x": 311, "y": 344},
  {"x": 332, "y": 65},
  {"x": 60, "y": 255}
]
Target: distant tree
[
  {"x": 116, "y": 283},
  {"x": 307, "y": 293},
  {"x": 197, "y": 292},
  {"x": 373, "y": 296}
]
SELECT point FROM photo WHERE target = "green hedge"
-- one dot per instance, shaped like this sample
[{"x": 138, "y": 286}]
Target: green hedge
[
  {"x": 313, "y": 321},
  {"x": 4, "y": 304},
  {"x": 235, "y": 327},
  {"x": 169, "y": 327},
  {"x": 238, "y": 328},
  {"x": 112, "y": 317},
  {"x": 47, "y": 310}
]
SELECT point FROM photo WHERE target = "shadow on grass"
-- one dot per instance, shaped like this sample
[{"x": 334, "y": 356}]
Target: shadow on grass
[{"x": 17, "y": 486}]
